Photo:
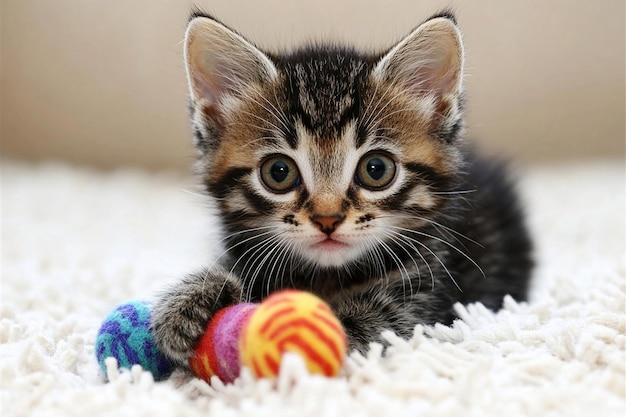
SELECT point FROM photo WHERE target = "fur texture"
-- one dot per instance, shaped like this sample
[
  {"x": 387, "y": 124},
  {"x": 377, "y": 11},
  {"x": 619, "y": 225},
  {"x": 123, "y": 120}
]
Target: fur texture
[{"x": 343, "y": 173}]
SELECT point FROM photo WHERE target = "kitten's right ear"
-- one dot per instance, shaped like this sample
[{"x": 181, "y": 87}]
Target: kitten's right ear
[
  {"x": 427, "y": 61},
  {"x": 220, "y": 64}
]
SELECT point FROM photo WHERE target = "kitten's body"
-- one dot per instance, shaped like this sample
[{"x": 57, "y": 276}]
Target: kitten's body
[{"x": 341, "y": 173}]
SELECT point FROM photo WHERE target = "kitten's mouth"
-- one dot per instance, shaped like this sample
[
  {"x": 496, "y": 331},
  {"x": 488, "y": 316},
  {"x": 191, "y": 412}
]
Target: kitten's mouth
[
  {"x": 332, "y": 252},
  {"x": 330, "y": 244}
]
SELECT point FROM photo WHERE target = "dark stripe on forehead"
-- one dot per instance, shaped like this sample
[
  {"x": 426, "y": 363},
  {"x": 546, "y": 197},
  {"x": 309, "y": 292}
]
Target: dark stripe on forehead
[
  {"x": 361, "y": 135},
  {"x": 350, "y": 114},
  {"x": 323, "y": 88},
  {"x": 326, "y": 129},
  {"x": 379, "y": 135},
  {"x": 289, "y": 132},
  {"x": 292, "y": 139},
  {"x": 271, "y": 138}
]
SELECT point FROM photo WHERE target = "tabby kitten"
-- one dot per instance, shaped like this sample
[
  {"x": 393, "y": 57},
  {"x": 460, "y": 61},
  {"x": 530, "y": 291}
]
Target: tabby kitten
[{"x": 342, "y": 173}]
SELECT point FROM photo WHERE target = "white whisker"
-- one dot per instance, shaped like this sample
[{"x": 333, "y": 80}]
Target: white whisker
[
  {"x": 434, "y": 223},
  {"x": 409, "y": 242},
  {"x": 445, "y": 242},
  {"x": 454, "y": 192},
  {"x": 435, "y": 256},
  {"x": 401, "y": 244},
  {"x": 401, "y": 268}
]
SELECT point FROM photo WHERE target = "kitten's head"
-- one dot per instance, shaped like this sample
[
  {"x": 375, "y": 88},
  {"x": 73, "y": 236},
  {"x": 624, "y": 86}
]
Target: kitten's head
[{"x": 326, "y": 154}]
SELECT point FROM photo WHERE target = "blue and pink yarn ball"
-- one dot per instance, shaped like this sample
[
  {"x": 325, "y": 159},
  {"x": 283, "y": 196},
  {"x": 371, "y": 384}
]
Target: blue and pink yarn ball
[{"x": 125, "y": 335}]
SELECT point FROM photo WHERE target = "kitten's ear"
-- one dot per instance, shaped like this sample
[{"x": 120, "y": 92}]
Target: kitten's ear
[
  {"x": 221, "y": 63},
  {"x": 428, "y": 61}
]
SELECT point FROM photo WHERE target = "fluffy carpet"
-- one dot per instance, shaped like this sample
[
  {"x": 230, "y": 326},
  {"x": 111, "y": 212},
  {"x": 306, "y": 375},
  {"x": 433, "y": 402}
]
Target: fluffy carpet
[{"x": 75, "y": 243}]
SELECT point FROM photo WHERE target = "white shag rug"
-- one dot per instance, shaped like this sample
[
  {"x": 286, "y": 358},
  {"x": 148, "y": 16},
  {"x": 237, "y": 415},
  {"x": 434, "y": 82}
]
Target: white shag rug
[{"x": 75, "y": 243}]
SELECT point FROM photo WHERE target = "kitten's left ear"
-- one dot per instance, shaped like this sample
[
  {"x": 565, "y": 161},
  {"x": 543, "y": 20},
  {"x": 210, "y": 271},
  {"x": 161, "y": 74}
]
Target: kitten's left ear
[
  {"x": 221, "y": 63},
  {"x": 429, "y": 61}
]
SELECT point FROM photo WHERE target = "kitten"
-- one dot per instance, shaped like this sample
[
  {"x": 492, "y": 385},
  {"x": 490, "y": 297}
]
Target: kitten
[{"x": 342, "y": 173}]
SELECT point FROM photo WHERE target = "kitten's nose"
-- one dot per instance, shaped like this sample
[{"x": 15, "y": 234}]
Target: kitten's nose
[{"x": 328, "y": 224}]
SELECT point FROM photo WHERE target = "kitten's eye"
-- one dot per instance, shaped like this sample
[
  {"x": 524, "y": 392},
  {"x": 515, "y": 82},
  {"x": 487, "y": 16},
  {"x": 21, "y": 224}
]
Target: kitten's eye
[
  {"x": 375, "y": 171},
  {"x": 280, "y": 174}
]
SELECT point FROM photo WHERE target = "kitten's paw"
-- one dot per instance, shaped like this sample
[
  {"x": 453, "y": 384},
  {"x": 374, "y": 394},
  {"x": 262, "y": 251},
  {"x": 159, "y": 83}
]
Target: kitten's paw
[
  {"x": 177, "y": 325},
  {"x": 181, "y": 314}
]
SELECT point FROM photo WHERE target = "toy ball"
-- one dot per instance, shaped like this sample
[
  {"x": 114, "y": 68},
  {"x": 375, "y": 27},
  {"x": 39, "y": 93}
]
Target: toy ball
[
  {"x": 297, "y": 322},
  {"x": 217, "y": 352},
  {"x": 125, "y": 335}
]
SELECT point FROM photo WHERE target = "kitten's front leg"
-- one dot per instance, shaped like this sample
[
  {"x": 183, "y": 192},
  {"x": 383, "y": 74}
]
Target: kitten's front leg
[
  {"x": 181, "y": 314},
  {"x": 366, "y": 315}
]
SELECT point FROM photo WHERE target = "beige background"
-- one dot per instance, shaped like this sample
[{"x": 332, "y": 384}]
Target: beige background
[{"x": 101, "y": 82}]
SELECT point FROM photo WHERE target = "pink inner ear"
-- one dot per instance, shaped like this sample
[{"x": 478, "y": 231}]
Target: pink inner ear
[
  {"x": 213, "y": 84},
  {"x": 436, "y": 77},
  {"x": 204, "y": 88},
  {"x": 429, "y": 61},
  {"x": 207, "y": 88},
  {"x": 426, "y": 75},
  {"x": 221, "y": 63}
]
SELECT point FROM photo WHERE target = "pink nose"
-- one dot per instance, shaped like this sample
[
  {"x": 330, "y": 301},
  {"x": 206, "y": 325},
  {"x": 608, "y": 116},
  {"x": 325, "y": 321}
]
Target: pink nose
[{"x": 327, "y": 224}]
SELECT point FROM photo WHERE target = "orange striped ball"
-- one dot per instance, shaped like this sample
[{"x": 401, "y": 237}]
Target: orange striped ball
[{"x": 298, "y": 322}]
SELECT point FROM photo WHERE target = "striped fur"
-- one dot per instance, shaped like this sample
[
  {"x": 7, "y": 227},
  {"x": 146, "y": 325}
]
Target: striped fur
[{"x": 389, "y": 217}]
